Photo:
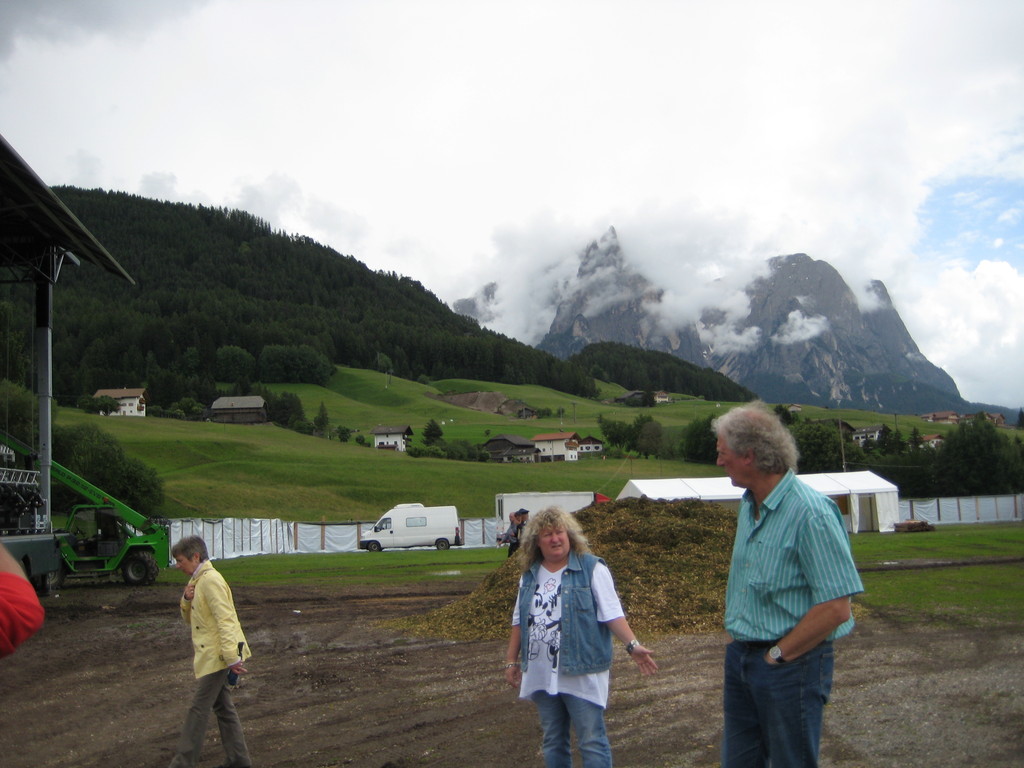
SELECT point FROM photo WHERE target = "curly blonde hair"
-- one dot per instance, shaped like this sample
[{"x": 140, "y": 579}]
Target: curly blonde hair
[{"x": 549, "y": 518}]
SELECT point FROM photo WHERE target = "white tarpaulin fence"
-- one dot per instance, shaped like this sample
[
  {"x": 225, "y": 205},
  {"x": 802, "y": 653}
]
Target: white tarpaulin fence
[
  {"x": 236, "y": 537},
  {"x": 964, "y": 509}
]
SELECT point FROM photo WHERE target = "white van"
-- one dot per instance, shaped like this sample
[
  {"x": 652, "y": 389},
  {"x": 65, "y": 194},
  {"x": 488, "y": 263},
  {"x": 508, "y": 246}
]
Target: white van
[{"x": 413, "y": 525}]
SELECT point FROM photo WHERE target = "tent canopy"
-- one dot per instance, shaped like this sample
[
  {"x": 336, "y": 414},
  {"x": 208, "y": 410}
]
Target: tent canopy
[{"x": 868, "y": 502}]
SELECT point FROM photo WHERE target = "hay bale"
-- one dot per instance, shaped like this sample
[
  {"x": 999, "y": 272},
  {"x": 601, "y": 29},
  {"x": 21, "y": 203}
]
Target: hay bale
[{"x": 670, "y": 561}]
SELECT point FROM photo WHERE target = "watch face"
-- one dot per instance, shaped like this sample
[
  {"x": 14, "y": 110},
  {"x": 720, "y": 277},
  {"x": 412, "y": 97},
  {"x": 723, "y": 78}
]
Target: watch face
[{"x": 775, "y": 652}]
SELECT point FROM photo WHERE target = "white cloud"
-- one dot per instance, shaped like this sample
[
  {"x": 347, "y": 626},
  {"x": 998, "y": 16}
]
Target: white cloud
[
  {"x": 461, "y": 142},
  {"x": 799, "y": 327},
  {"x": 975, "y": 323},
  {"x": 67, "y": 22}
]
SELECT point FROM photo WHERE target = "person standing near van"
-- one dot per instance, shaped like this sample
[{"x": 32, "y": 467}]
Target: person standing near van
[
  {"x": 560, "y": 647},
  {"x": 220, "y": 649},
  {"x": 511, "y": 534},
  {"x": 520, "y": 520}
]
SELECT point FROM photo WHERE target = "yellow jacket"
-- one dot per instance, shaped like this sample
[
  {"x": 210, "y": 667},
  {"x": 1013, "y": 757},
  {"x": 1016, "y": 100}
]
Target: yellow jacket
[{"x": 210, "y": 613}]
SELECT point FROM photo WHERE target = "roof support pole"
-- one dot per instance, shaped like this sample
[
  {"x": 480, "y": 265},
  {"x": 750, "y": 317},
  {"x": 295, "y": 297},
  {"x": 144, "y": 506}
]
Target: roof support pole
[{"x": 43, "y": 341}]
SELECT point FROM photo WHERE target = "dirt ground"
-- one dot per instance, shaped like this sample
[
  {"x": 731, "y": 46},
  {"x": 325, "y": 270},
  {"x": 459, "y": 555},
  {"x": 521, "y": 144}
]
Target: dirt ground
[{"x": 107, "y": 681}]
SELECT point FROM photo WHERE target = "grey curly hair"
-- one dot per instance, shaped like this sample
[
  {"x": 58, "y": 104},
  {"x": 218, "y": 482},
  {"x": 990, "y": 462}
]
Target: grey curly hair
[{"x": 752, "y": 428}]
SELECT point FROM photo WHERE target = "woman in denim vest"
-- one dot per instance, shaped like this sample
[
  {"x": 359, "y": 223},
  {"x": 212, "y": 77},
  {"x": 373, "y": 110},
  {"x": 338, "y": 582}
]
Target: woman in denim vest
[{"x": 570, "y": 610}]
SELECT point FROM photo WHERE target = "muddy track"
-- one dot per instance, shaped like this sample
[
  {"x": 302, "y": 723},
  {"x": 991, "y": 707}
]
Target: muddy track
[{"x": 107, "y": 682}]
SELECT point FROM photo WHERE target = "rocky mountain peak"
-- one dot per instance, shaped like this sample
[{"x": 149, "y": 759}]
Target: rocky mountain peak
[{"x": 805, "y": 338}]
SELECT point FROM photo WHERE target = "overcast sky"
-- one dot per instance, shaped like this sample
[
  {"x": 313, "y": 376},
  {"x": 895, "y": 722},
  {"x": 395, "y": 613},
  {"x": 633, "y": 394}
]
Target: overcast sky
[{"x": 464, "y": 141}]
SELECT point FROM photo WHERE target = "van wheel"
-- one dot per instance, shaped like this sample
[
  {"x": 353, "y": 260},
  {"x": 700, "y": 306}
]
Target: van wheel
[
  {"x": 373, "y": 546},
  {"x": 442, "y": 544}
]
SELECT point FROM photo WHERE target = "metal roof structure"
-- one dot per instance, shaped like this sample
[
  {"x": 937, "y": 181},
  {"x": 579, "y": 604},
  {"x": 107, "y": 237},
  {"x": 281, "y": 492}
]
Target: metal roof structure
[{"x": 37, "y": 231}]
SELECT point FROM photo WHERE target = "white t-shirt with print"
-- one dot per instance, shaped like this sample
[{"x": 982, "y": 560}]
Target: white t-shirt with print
[{"x": 543, "y": 636}]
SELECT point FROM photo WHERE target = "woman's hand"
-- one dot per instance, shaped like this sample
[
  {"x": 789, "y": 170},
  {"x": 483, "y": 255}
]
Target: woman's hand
[
  {"x": 513, "y": 674},
  {"x": 644, "y": 660}
]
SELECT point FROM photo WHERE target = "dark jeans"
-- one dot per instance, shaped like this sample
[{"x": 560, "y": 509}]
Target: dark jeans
[
  {"x": 212, "y": 695},
  {"x": 773, "y": 713}
]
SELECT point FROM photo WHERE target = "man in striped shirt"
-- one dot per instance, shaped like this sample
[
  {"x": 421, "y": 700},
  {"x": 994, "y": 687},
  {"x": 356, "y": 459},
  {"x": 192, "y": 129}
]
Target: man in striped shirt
[{"x": 790, "y": 583}]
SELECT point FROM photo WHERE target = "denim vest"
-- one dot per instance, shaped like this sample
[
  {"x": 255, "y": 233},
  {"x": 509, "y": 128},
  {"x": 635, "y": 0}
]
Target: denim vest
[{"x": 586, "y": 643}]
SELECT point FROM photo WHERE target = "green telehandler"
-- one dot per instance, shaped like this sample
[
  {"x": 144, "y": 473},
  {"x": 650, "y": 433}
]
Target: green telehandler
[{"x": 104, "y": 536}]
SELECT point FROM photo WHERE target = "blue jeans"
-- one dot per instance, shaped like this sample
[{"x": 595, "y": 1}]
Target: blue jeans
[
  {"x": 556, "y": 714},
  {"x": 773, "y": 713}
]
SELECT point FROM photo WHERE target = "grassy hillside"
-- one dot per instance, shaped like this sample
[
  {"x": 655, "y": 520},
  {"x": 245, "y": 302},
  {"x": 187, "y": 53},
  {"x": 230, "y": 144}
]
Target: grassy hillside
[{"x": 222, "y": 470}]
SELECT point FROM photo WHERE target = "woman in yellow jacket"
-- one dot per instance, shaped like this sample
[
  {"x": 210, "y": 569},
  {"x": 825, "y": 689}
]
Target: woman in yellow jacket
[{"x": 220, "y": 649}]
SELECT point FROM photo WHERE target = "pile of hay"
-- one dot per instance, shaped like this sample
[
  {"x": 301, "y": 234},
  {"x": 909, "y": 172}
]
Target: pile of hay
[{"x": 670, "y": 561}]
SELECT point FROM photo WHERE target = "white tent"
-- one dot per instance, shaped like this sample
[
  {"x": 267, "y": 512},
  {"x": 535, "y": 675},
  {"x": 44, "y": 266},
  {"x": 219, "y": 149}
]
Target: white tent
[{"x": 867, "y": 501}]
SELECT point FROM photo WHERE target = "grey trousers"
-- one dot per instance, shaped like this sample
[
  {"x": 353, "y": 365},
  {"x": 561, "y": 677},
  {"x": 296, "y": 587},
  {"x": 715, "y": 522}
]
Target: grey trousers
[{"x": 212, "y": 695}]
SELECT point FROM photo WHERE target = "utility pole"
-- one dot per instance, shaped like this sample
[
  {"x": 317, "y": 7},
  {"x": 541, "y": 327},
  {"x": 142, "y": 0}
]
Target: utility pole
[{"x": 842, "y": 443}]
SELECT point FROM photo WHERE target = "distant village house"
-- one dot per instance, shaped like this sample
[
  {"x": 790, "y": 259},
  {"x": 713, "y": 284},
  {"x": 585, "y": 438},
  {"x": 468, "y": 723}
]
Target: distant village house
[
  {"x": 951, "y": 417},
  {"x": 591, "y": 445},
  {"x": 872, "y": 433},
  {"x": 557, "y": 446},
  {"x": 633, "y": 396},
  {"x": 247, "y": 409},
  {"x": 942, "y": 417},
  {"x": 130, "y": 402},
  {"x": 511, "y": 448},
  {"x": 391, "y": 438}
]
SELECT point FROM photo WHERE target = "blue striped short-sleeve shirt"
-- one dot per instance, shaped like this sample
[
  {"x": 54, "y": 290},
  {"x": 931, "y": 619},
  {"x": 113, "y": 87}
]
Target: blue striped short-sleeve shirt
[{"x": 795, "y": 556}]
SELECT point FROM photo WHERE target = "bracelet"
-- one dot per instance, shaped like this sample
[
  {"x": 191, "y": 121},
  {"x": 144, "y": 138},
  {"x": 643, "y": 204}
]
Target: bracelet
[
  {"x": 511, "y": 664},
  {"x": 631, "y": 646}
]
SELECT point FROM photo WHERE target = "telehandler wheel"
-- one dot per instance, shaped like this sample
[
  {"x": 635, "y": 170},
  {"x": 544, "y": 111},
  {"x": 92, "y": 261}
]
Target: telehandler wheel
[
  {"x": 139, "y": 569},
  {"x": 56, "y": 579}
]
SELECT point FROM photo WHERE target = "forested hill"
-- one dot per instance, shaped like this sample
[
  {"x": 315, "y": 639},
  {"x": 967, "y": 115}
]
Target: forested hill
[
  {"x": 214, "y": 278},
  {"x": 645, "y": 371},
  {"x": 211, "y": 280}
]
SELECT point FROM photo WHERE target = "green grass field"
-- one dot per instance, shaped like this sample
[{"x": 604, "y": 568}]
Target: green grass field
[
  {"x": 964, "y": 594},
  {"x": 222, "y": 470}
]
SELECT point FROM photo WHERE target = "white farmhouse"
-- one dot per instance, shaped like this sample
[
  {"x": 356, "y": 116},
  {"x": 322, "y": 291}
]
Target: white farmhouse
[
  {"x": 391, "y": 438},
  {"x": 557, "y": 446},
  {"x": 130, "y": 402}
]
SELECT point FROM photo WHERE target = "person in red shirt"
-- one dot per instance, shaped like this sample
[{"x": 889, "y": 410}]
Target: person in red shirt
[{"x": 21, "y": 614}]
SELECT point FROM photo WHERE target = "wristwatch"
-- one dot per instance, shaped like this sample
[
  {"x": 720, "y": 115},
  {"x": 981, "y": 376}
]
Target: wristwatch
[
  {"x": 775, "y": 654},
  {"x": 632, "y": 644}
]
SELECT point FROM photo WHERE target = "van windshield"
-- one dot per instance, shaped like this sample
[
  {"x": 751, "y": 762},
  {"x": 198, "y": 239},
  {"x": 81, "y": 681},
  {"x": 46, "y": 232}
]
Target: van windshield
[{"x": 384, "y": 524}]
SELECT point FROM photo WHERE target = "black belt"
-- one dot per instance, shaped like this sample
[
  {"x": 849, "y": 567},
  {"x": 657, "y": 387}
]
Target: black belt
[{"x": 756, "y": 644}]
